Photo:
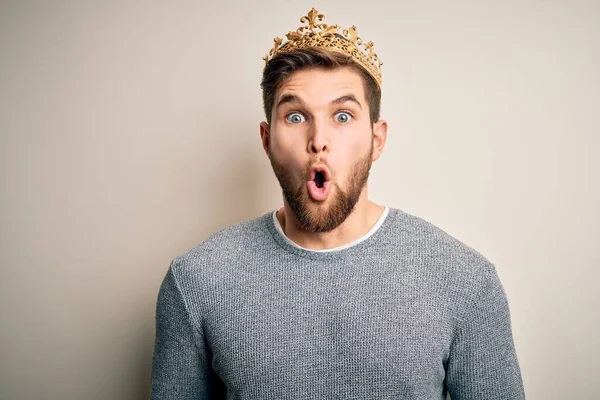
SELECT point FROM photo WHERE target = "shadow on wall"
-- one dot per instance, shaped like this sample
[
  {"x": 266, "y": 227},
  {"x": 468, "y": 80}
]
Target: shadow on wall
[{"x": 233, "y": 190}]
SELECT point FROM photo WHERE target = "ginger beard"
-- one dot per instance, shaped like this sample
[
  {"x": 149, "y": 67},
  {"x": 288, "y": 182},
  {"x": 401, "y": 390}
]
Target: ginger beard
[{"x": 325, "y": 216}]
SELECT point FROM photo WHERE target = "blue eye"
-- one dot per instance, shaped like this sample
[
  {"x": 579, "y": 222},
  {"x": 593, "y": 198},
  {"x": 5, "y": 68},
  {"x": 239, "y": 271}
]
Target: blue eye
[
  {"x": 343, "y": 117},
  {"x": 295, "y": 118}
]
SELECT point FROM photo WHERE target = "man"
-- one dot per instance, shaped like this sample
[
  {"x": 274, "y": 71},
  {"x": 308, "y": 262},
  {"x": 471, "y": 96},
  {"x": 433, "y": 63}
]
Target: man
[{"x": 332, "y": 296}]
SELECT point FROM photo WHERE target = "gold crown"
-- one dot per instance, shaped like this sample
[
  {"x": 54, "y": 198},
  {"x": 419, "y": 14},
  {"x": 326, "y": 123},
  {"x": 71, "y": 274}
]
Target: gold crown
[{"x": 320, "y": 35}]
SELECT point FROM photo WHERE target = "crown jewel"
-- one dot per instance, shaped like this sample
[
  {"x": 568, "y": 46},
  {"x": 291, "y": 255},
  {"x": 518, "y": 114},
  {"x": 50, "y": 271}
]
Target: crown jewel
[{"x": 317, "y": 34}]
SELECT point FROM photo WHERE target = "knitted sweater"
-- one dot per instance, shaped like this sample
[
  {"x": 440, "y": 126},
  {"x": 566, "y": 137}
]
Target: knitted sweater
[{"x": 408, "y": 313}]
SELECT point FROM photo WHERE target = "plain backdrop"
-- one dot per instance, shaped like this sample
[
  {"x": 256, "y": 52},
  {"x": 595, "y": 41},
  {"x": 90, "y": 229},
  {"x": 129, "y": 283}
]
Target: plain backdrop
[{"x": 130, "y": 132}]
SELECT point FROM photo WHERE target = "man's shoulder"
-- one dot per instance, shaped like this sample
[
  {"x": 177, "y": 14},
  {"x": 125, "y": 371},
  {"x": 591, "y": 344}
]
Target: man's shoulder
[
  {"x": 420, "y": 231},
  {"x": 224, "y": 246},
  {"x": 438, "y": 250}
]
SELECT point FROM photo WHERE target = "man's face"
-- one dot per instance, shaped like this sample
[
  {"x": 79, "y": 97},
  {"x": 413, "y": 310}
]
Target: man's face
[{"x": 320, "y": 144}]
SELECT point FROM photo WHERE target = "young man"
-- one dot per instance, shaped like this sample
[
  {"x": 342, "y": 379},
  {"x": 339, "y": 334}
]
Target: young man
[{"x": 332, "y": 296}]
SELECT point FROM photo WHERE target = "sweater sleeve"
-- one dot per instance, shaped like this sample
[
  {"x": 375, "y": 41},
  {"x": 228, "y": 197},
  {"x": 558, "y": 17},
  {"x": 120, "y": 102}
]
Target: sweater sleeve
[
  {"x": 181, "y": 361},
  {"x": 482, "y": 363}
]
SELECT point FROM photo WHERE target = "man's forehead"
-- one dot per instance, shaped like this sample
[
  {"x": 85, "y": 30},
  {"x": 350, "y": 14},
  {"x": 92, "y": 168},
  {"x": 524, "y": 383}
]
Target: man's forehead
[{"x": 316, "y": 85}]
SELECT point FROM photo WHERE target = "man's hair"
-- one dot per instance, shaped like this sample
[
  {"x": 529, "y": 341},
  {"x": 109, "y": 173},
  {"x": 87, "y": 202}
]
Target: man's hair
[{"x": 282, "y": 66}]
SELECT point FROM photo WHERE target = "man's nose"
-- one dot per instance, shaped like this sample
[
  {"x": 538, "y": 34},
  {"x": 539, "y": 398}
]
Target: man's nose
[{"x": 318, "y": 141}]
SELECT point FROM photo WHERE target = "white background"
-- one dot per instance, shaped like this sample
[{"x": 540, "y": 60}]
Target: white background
[{"x": 129, "y": 133}]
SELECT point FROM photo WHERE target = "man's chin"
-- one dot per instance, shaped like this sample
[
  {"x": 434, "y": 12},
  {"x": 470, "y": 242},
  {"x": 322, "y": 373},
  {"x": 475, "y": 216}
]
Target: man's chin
[{"x": 319, "y": 218}]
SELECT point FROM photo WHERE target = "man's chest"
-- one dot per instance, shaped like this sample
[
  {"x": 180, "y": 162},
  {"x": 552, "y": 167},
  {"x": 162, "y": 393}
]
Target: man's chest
[{"x": 330, "y": 333}]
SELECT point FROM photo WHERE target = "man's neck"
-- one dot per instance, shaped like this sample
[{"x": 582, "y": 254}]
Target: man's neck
[{"x": 364, "y": 216}]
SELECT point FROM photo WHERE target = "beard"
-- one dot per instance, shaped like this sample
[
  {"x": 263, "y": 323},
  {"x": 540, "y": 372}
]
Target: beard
[{"x": 318, "y": 217}]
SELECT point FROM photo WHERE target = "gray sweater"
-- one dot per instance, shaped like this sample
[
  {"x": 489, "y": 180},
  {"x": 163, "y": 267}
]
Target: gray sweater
[{"x": 408, "y": 313}]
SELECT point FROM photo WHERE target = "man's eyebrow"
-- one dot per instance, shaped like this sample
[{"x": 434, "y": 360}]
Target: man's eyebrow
[
  {"x": 291, "y": 98},
  {"x": 288, "y": 98},
  {"x": 346, "y": 98}
]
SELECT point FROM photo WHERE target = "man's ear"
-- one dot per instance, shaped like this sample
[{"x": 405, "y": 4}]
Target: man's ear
[
  {"x": 379, "y": 138},
  {"x": 264, "y": 136}
]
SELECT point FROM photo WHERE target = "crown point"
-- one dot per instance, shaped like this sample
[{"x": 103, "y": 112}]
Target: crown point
[{"x": 314, "y": 34}]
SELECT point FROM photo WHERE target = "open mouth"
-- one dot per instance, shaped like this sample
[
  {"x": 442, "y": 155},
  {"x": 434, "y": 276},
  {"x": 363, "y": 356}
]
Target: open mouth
[
  {"x": 319, "y": 179},
  {"x": 319, "y": 185},
  {"x": 319, "y": 175}
]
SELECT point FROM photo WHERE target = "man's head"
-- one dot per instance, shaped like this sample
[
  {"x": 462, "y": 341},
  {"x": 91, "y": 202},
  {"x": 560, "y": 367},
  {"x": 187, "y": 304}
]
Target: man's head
[
  {"x": 322, "y": 133},
  {"x": 321, "y": 95}
]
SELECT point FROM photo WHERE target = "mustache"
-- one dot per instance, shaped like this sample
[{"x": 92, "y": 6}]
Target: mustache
[{"x": 320, "y": 162}]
